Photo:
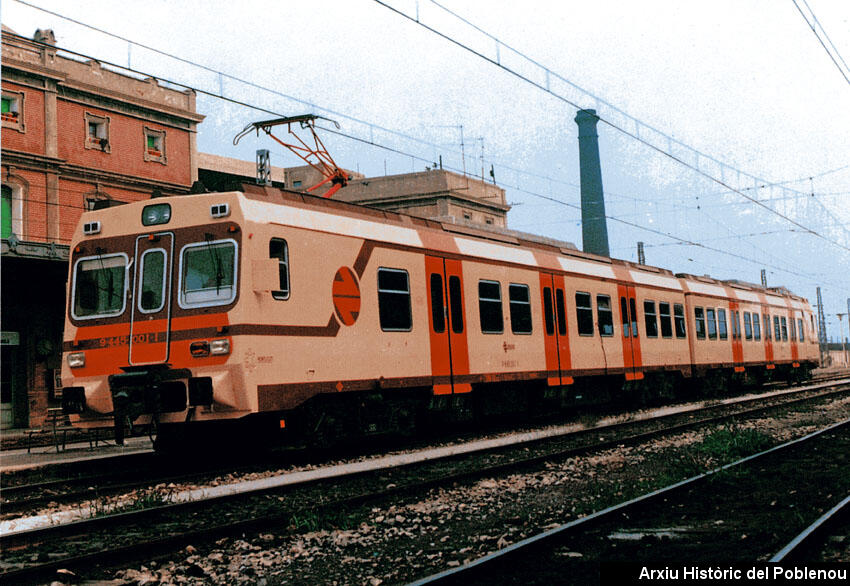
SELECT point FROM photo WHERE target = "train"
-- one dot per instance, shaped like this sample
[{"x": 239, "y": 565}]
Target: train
[{"x": 279, "y": 312}]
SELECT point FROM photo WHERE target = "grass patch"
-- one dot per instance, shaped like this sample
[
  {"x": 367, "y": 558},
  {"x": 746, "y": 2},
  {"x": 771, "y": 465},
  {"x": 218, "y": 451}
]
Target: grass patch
[{"x": 729, "y": 444}]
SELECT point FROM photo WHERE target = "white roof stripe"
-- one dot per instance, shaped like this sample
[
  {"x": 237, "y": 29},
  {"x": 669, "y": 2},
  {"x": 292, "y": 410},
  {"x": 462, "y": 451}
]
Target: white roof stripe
[
  {"x": 746, "y": 295},
  {"x": 705, "y": 289},
  {"x": 495, "y": 251},
  {"x": 656, "y": 280},
  {"x": 258, "y": 211},
  {"x": 581, "y": 267}
]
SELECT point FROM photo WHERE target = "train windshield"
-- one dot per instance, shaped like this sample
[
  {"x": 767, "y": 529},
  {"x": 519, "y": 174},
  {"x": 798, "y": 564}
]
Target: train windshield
[
  {"x": 99, "y": 286},
  {"x": 208, "y": 273}
]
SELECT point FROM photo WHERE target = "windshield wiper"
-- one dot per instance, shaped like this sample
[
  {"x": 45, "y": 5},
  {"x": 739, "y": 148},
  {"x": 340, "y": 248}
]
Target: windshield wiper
[{"x": 219, "y": 275}]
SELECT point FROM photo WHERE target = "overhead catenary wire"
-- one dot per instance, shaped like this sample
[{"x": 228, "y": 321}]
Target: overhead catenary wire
[
  {"x": 814, "y": 25},
  {"x": 376, "y": 144},
  {"x": 609, "y": 123}
]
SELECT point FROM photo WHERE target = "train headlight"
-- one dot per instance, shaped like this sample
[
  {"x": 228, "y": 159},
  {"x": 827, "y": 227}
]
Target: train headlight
[
  {"x": 219, "y": 347},
  {"x": 76, "y": 359}
]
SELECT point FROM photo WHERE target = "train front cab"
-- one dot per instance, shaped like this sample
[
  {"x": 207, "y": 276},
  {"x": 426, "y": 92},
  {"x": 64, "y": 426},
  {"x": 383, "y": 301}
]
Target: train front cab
[{"x": 147, "y": 327}]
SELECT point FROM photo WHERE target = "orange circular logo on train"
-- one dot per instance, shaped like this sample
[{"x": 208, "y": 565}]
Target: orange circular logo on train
[{"x": 346, "y": 296}]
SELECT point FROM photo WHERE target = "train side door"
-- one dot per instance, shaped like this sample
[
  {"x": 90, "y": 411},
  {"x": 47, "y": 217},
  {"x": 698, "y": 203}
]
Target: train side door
[
  {"x": 737, "y": 338},
  {"x": 632, "y": 361},
  {"x": 555, "y": 338},
  {"x": 150, "y": 321},
  {"x": 447, "y": 327}
]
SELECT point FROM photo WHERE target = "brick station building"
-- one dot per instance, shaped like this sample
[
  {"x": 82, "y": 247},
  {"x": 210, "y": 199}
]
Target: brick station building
[{"x": 75, "y": 135}]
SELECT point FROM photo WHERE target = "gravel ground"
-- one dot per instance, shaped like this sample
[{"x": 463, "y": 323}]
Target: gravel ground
[{"x": 451, "y": 526}]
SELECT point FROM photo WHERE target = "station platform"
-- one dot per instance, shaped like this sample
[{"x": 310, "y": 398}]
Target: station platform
[{"x": 18, "y": 458}]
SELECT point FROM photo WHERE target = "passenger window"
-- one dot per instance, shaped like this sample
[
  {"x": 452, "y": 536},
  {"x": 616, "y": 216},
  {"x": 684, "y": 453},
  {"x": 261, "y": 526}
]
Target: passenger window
[
  {"x": 438, "y": 308},
  {"x": 624, "y": 316},
  {"x": 756, "y": 327},
  {"x": 562, "y": 312},
  {"x": 520, "y": 306},
  {"x": 456, "y": 304},
  {"x": 584, "y": 314},
  {"x": 800, "y": 329},
  {"x": 791, "y": 325},
  {"x": 152, "y": 285},
  {"x": 279, "y": 250},
  {"x": 604, "y": 315},
  {"x": 738, "y": 324},
  {"x": 394, "y": 300},
  {"x": 767, "y": 332},
  {"x": 490, "y": 307},
  {"x": 748, "y": 326},
  {"x": 664, "y": 319},
  {"x": 699, "y": 320},
  {"x": 777, "y": 333},
  {"x": 679, "y": 320},
  {"x": 712, "y": 324},
  {"x": 721, "y": 324},
  {"x": 548, "y": 311},
  {"x": 650, "y": 319},
  {"x": 784, "y": 329}
]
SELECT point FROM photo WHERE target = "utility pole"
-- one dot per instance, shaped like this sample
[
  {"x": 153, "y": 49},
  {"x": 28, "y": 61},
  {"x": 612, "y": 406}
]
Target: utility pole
[
  {"x": 764, "y": 278},
  {"x": 641, "y": 254},
  {"x": 821, "y": 329},
  {"x": 841, "y": 335}
]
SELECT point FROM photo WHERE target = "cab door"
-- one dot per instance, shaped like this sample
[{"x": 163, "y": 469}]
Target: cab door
[
  {"x": 632, "y": 362},
  {"x": 446, "y": 320},
  {"x": 150, "y": 321}
]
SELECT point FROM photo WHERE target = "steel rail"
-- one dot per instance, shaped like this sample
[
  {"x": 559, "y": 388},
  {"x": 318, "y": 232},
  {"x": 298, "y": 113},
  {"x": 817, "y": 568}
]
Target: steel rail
[
  {"x": 468, "y": 571},
  {"x": 275, "y": 520},
  {"x": 118, "y": 481},
  {"x": 814, "y": 533}
]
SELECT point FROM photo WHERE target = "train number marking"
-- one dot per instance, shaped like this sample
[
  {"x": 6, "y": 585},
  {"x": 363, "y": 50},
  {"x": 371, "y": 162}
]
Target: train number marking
[{"x": 346, "y": 296}]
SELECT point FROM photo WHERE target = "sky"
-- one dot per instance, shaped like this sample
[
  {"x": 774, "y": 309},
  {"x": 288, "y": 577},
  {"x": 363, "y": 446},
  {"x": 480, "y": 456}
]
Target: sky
[{"x": 705, "y": 106}]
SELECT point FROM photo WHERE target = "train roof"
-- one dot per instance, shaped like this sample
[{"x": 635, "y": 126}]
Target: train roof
[{"x": 271, "y": 205}]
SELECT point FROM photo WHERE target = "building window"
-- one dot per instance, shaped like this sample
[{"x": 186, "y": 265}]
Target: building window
[
  {"x": 97, "y": 133},
  {"x": 154, "y": 145},
  {"x": 13, "y": 110},
  {"x": 679, "y": 320},
  {"x": 6, "y": 212},
  {"x": 467, "y": 216},
  {"x": 489, "y": 220},
  {"x": 650, "y": 319},
  {"x": 394, "y": 300},
  {"x": 605, "y": 315},
  {"x": 296, "y": 183},
  {"x": 278, "y": 249},
  {"x": 520, "y": 305},
  {"x": 490, "y": 307},
  {"x": 584, "y": 314}
]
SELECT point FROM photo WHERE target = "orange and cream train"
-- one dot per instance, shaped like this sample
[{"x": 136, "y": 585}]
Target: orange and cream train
[{"x": 284, "y": 310}]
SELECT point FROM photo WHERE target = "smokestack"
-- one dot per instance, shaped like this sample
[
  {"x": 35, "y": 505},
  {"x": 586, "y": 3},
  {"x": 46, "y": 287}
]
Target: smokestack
[{"x": 594, "y": 230}]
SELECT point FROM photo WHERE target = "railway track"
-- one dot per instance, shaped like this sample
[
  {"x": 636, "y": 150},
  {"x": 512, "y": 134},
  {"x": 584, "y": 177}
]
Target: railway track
[
  {"x": 129, "y": 535},
  {"x": 736, "y": 512},
  {"x": 112, "y": 476}
]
